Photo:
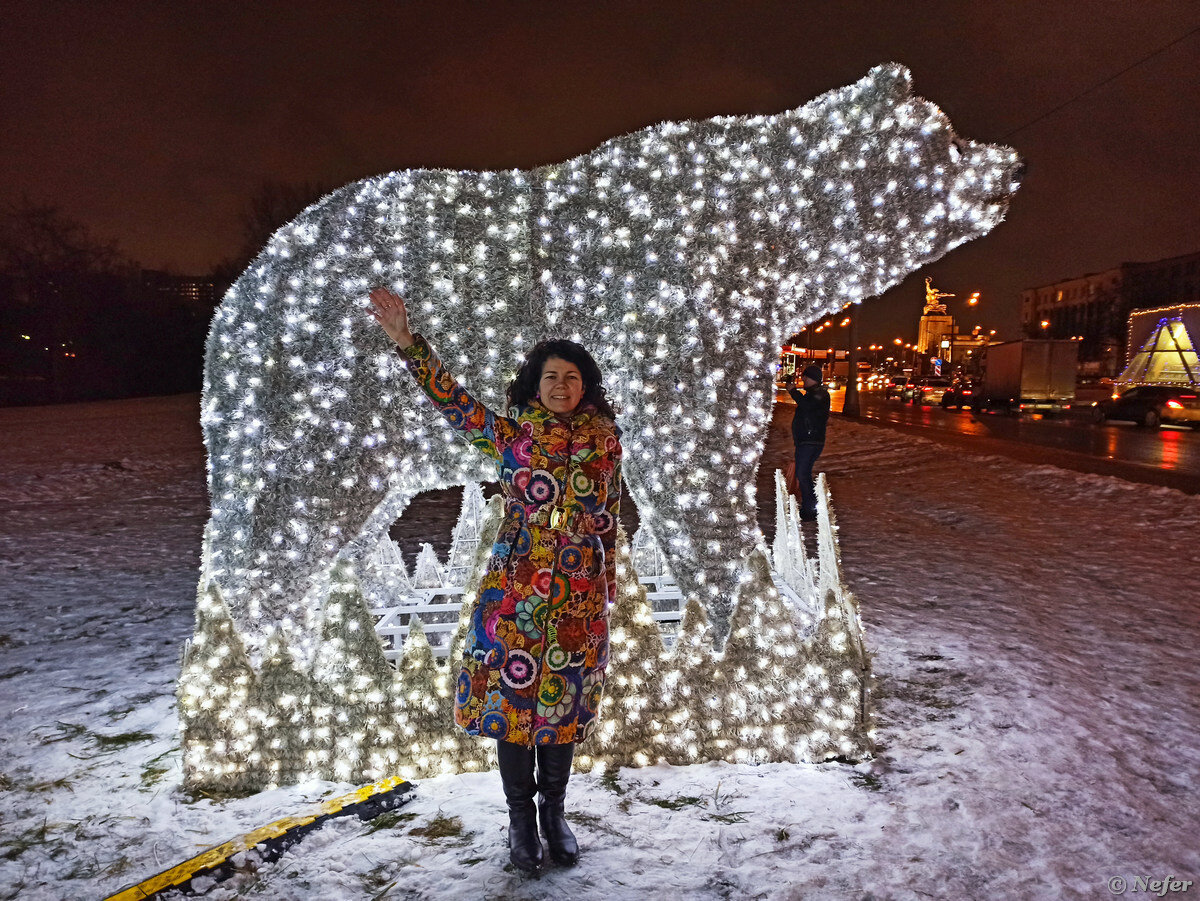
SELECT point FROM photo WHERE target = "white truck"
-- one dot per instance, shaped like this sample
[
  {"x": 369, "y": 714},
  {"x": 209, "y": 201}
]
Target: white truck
[{"x": 1030, "y": 375}]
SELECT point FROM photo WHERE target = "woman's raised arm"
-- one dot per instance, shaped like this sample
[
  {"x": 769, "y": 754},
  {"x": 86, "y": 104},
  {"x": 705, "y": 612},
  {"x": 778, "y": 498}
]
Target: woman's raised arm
[{"x": 483, "y": 428}]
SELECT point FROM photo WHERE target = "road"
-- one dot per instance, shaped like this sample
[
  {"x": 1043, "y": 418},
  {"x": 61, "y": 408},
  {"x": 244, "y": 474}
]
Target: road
[{"x": 1169, "y": 456}]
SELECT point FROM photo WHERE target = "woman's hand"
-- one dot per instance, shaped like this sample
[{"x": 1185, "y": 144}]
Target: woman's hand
[{"x": 388, "y": 310}]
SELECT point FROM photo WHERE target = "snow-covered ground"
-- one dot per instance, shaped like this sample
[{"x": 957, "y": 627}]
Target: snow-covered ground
[{"x": 1035, "y": 635}]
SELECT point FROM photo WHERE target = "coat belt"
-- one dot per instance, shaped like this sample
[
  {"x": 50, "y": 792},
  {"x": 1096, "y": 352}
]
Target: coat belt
[{"x": 559, "y": 519}]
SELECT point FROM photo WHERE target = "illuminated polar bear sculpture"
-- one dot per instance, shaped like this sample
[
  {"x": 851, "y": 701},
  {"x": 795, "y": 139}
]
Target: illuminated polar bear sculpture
[{"x": 681, "y": 255}]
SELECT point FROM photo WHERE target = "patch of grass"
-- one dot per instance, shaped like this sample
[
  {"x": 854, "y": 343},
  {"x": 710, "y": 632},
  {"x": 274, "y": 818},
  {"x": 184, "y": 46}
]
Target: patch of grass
[
  {"x": 598, "y": 824},
  {"x": 674, "y": 803},
  {"x": 123, "y": 740},
  {"x": 471, "y": 861},
  {"x": 389, "y": 820},
  {"x": 118, "y": 867},
  {"x": 50, "y": 785},
  {"x": 5, "y": 783},
  {"x": 377, "y": 883},
  {"x": 154, "y": 770},
  {"x": 735, "y": 816},
  {"x": 609, "y": 781},
  {"x": 782, "y": 835},
  {"x": 6, "y": 641},
  {"x": 439, "y": 827},
  {"x": 727, "y": 818},
  {"x": 65, "y": 732},
  {"x": 32, "y": 837},
  {"x": 868, "y": 781},
  {"x": 387, "y": 888}
]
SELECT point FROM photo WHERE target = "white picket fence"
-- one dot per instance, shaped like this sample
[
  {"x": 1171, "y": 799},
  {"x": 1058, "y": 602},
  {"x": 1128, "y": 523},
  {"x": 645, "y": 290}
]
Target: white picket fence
[{"x": 433, "y": 591}]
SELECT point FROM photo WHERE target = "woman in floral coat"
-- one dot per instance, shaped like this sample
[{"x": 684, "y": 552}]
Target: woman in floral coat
[{"x": 533, "y": 666}]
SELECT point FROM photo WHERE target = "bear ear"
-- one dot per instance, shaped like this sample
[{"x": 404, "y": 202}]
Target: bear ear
[{"x": 891, "y": 80}]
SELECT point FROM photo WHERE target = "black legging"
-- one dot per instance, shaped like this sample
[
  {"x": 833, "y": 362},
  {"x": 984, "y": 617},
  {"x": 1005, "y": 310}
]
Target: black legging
[{"x": 806, "y": 457}]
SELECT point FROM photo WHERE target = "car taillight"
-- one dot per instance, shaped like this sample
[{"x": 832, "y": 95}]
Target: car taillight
[{"x": 1174, "y": 405}]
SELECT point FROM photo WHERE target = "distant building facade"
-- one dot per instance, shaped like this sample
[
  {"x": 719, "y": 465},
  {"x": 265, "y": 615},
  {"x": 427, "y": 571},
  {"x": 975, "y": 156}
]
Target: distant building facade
[
  {"x": 1095, "y": 308},
  {"x": 198, "y": 291}
]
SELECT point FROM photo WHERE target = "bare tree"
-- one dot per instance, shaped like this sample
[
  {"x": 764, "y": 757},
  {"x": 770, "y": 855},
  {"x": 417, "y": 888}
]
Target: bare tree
[{"x": 60, "y": 286}]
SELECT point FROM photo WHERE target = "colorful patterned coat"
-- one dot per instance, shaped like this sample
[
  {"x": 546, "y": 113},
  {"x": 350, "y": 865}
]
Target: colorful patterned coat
[{"x": 533, "y": 665}]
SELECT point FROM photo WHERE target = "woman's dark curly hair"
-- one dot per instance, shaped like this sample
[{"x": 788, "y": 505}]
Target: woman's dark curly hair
[{"x": 524, "y": 387}]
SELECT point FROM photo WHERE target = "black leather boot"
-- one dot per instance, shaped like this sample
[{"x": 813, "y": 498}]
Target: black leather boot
[
  {"x": 516, "y": 775},
  {"x": 554, "y": 769}
]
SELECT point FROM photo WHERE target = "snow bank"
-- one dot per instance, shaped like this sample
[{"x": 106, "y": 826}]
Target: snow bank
[{"x": 1035, "y": 634}]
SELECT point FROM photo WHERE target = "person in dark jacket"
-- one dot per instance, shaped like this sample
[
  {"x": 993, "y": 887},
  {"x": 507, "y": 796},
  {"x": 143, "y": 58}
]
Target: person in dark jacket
[{"x": 808, "y": 434}]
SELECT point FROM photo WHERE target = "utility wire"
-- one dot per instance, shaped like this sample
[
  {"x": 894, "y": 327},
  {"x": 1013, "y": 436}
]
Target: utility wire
[{"x": 1101, "y": 84}]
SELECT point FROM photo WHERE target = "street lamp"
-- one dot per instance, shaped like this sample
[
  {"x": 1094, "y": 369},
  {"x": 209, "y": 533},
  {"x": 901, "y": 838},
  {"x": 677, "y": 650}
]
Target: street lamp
[{"x": 972, "y": 300}]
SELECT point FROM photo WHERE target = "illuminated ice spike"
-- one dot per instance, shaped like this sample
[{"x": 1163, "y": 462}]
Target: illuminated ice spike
[
  {"x": 425, "y": 714},
  {"x": 681, "y": 255},
  {"x": 466, "y": 536},
  {"x": 829, "y": 557},
  {"x": 787, "y": 550},
  {"x": 837, "y": 682},
  {"x": 781, "y": 555},
  {"x": 428, "y": 572},
  {"x": 281, "y": 701}
]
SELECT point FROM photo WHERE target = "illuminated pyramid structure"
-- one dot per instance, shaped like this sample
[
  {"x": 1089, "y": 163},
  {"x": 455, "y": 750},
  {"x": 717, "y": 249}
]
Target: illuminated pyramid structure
[{"x": 1168, "y": 357}]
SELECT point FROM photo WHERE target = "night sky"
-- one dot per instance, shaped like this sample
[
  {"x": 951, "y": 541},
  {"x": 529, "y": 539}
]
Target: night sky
[{"x": 154, "y": 122}]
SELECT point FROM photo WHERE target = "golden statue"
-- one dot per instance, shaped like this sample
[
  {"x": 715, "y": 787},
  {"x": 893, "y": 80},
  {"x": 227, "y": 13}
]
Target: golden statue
[{"x": 933, "y": 296}]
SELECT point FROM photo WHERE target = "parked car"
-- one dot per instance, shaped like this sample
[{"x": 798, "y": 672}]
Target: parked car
[
  {"x": 1151, "y": 405},
  {"x": 895, "y": 386},
  {"x": 929, "y": 390},
  {"x": 961, "y": 393}
]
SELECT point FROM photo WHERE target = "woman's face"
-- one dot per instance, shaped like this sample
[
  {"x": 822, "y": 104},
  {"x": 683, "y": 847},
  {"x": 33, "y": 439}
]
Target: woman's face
[{"x": 561, "y": 385}]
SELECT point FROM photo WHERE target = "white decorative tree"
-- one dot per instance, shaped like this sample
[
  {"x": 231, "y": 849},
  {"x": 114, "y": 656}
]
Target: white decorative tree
[
  {"x": 281, "y": 697},
  {"x": 467, "y": 534},
  {"x": 428, "y": 572},
  {"x": 632, "y": 713},
  {"x": 691, "y": 683},
  {"x": 215, "y": 711},
  {"x": 353, "y": 689}
]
